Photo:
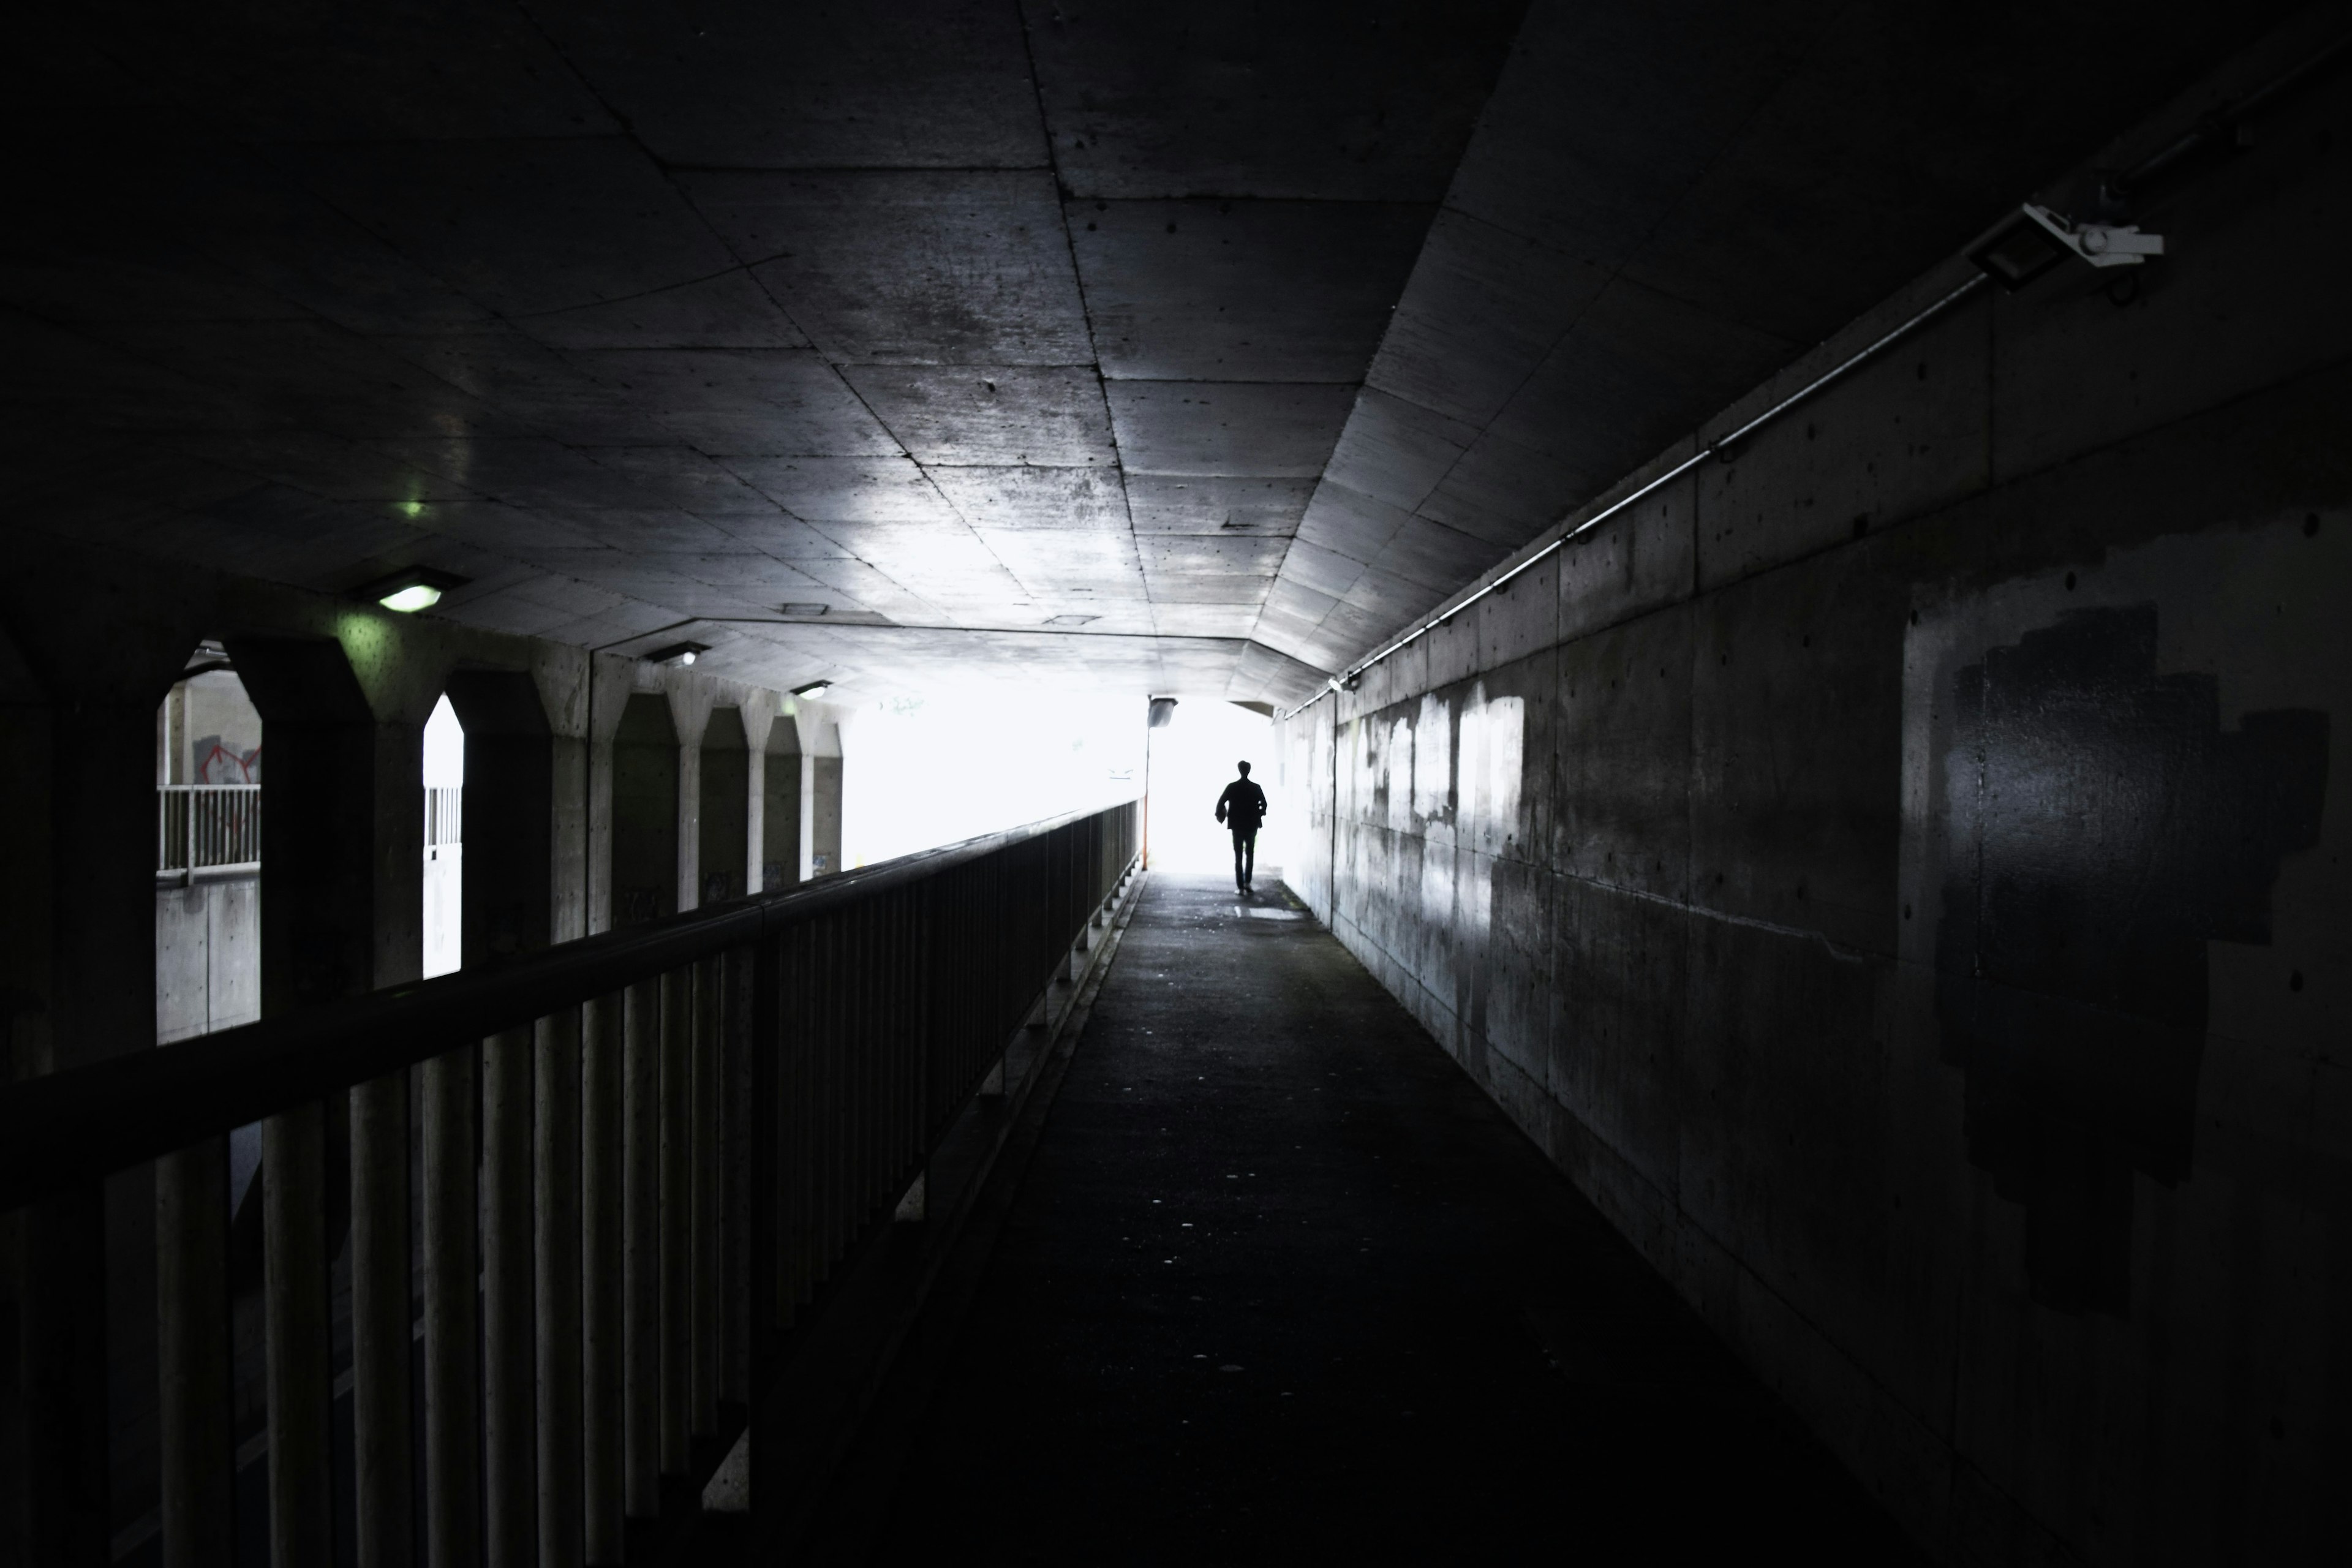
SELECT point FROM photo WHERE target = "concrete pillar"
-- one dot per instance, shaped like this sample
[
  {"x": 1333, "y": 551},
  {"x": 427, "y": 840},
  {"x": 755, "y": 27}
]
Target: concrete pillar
[
  {"x": 342, "y": 914},
  {"x": 645, "y": 858},
  {"x": 76, "y": 985},
  {"x": 781, "y": 855},
  {"x": 820, "y": 796},
  {"x": 526, "y": 808},
  {"x": 689, "y": 715},
  {"x": 610, "y": 682},
  {"x": 726, "y": 811}
]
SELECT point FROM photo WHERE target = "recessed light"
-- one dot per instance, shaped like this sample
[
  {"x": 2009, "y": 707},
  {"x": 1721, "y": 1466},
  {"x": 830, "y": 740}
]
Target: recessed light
[
  {"x": 410, "y": 589},
  {"x": 806, "y": 609},
  {"x": 813, "y": 689},
  {"x": 1070, "y": 620},
  {"x": 679, "y": 653}
]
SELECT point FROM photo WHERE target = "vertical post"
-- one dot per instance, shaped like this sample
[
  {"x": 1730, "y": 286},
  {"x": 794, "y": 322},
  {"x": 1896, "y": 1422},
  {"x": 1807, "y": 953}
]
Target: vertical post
[
  {"x": 677, "y": 1217},
  {"x": 605, "y": 1409},
  {"x": 557, "y": 1236},
  {"x": 766, "y": 1253},
  {"x": 193, "y": 1346},
  {"x": 296, "y": 1348},
  {"x": 641, "y": 1258},
  {"x": 382, "y": 1330},
  {"x": 704, "y": 1239},
  {"x": 509, "y": 1365},
  {"x": 452, "y": 1413}
]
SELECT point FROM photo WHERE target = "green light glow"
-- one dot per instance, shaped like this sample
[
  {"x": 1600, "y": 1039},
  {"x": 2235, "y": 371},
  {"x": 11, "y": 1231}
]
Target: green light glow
[
  {"x": 414, "y": 597},
  {"x": 412, "y": 508}
]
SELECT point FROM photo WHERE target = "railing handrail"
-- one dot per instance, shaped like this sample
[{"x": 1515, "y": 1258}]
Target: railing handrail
[
  {"x": 223, "y": 788},
  {"x": 68, "y": 1129}
]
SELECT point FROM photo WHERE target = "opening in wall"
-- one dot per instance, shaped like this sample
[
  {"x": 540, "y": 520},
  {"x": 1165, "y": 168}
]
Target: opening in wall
[{"x": 444, "y": 840}]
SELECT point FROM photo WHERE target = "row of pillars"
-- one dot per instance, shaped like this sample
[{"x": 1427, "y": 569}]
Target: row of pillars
[{"x": 593, "y": 798}]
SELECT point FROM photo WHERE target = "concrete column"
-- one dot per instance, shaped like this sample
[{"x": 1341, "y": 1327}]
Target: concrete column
[
  {"x": 782, "y": 858},
  {"x": 76, "y": 985},
  {"x": 690, "y": 711},
  {"x": 610, "y": 684},
  {"x": 726, "y": 807},
  {"x": 342, "y": 914},
  {"x": 820, "y": 796},
  {"x": 525, "y": 809},
  {"x": 645, "y": 854}
]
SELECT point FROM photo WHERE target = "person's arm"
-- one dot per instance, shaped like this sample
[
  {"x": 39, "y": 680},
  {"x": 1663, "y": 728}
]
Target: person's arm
[{"x": 1222, "y": 800}]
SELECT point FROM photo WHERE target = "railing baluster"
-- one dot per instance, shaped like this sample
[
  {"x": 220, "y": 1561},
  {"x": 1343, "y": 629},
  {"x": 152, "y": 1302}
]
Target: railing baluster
[
  {"x": 508, "y": 1364},
  {"x": 603, "y": 1335},
  {"x": 556, "y": 1244},
  {"x": 703, "y": 1238},
  {"x": 676, "y": 1216},
  {"x": 382, "y": 1319},
  {"x": 641, "y": 1267},
  {"x": 452, "y": 1402},
  {"x": 192, "y": 1354},
  {"x": 297, "y": 1350}
]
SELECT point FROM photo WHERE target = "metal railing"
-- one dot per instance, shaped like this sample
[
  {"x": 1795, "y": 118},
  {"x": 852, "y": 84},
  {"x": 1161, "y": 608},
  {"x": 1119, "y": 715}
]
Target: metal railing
[
  {"x": 445, "y": 815},
  {"x": 641, "y": 1155},
  {"x": 207, "y": 828}
]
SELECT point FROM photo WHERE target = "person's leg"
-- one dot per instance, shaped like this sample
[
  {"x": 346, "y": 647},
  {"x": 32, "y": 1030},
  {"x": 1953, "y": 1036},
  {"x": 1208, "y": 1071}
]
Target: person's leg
[
  {"x": 1249, "y": 860},
  {"x": 1241, "y": 878}
]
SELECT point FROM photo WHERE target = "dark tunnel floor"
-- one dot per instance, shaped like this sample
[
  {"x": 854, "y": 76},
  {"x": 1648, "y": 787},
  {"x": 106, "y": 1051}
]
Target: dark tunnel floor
[{"x": 1282, "y": 1285}]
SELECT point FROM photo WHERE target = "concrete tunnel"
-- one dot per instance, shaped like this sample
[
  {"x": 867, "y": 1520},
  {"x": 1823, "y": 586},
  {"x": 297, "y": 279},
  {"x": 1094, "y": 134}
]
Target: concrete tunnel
[{"x": 1786, "y": 570}]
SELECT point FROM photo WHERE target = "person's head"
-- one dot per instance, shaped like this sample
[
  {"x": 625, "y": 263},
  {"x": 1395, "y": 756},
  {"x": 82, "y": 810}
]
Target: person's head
[{"x": 1244, "y": 768}]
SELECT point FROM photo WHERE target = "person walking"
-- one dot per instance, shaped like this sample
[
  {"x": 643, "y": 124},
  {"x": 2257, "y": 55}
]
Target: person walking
[{"x": 1242, "y": 809}]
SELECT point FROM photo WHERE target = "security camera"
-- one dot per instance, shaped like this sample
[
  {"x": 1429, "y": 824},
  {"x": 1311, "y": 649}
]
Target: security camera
[{"x": 2035, "y": 239}]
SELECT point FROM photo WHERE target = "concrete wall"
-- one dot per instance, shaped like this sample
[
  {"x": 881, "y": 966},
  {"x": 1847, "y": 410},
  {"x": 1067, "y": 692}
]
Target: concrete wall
[
  {"x": 207, "y": 956},
  {"x": 1898, "y": 875}
]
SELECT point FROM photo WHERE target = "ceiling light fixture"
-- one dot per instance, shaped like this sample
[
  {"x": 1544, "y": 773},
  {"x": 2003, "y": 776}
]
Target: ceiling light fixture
[
  {"x": 815, "y": 689},
  {"x": 410, "y": 589},
  {"x": 680, "y": 653},
  {"x": 806, "y": 609},
  {"x": 1070, "y": 620}
]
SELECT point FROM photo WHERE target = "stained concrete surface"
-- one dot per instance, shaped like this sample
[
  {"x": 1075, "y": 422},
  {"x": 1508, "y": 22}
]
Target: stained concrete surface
[{"x": 1282, "y": 1285}]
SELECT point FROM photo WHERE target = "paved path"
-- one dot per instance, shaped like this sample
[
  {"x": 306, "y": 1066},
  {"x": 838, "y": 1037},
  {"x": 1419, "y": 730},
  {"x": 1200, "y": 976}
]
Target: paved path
[{"x": 1282, "y": 1286}]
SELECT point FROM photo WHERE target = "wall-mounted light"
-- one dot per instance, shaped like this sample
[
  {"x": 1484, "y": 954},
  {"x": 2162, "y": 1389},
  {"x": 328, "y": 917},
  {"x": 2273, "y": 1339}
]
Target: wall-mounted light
[
  {"x": 813, "y": 690},
  {"x": 410, "y": 589},
  {"x": 1161, "y": 713},
  {"x": 679, "y": 653},
  {"x": 2035, "y": 239}
]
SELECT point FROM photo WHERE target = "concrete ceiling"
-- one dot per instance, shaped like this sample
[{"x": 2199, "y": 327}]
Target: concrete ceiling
[{"x": 1190, "y": 348}]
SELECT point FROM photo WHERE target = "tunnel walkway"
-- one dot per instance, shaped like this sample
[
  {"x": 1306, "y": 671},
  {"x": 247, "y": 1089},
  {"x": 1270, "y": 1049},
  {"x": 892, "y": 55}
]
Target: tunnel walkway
[{"x": 1280, "y": 1285}]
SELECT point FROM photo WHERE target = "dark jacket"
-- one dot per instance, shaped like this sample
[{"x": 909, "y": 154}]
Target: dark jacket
[{"x": 1243, "y": 807}]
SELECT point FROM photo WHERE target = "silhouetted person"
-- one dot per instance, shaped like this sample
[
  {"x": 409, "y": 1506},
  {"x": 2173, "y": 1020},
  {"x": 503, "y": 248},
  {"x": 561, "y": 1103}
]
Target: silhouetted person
[{"x": 1242, "y": 807}]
